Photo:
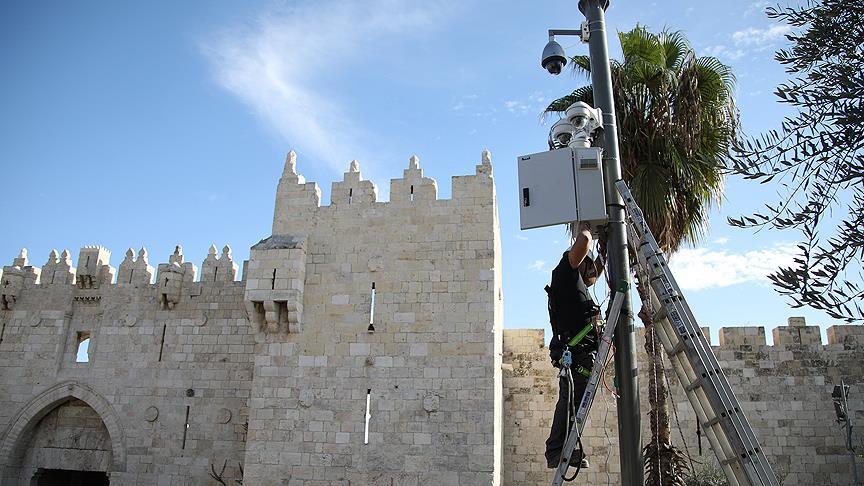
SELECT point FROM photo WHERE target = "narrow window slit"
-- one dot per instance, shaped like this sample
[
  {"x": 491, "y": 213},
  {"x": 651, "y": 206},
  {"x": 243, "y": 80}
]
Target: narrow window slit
[
  {"x": 82, "y": 347},
  {"x": 162, "y": 343},
  {"x": 185, "y": 427},
  {"x": 368, "y": 415},
  {"x": 371, "y": 327},
  {"x": 273, "y": 281},
  {"x": 350, "y": 195}
]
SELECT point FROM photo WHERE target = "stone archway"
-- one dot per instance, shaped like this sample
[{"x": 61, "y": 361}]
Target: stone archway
[{"x": 18, "y": 437}]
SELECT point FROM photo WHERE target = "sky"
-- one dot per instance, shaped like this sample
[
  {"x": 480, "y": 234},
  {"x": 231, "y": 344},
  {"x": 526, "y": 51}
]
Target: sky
[{"x": 161, "y": 123}]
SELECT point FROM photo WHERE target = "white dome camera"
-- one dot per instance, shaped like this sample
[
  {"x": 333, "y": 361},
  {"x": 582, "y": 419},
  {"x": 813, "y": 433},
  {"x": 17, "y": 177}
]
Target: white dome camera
[{"x": 562, "y": 132}]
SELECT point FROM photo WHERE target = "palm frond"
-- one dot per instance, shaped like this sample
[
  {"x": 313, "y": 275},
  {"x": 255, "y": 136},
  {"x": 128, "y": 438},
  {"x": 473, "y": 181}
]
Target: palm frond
[
  {"x": 581, "y": 65},
  {"x": 584, "y": 93}
]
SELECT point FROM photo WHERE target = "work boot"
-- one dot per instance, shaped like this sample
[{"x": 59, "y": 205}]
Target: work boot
[{"x": 577, "y": 459}]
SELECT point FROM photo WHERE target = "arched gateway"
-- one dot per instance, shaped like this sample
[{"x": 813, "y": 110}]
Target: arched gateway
[{"x": 68, "y": 434}]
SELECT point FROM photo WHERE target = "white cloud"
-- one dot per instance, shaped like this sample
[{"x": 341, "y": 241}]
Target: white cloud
[
  {"x": 538, "y": 266},
  {"x": 700, "y": 268},
  {"x": 516, "y": 107},
  {"x": 535, "y": 103},
  {"x": 760, "y": 38},
  {"x": 756, "y": 7},
  {"x": 279, "y": 65},
  {"x": 723, "y": 53}
]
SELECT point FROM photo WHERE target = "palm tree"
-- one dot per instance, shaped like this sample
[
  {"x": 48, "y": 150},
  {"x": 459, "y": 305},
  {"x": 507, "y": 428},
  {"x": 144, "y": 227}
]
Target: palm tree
[{"x": 676, "y": 122}]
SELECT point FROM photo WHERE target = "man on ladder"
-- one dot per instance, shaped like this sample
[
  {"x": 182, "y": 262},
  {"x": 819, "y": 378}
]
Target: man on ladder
[{"x": 573, "y": 348}]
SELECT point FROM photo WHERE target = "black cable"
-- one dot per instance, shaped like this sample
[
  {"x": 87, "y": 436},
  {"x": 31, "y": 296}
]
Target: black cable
[{"x": 578, "y": 468}]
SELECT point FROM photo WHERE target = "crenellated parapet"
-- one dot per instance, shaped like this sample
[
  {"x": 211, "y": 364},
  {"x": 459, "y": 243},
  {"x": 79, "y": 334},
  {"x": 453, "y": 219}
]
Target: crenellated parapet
[
  {"x": 413, "y": 187},
  {"x": 172, "y": 277},
  {"x": 742, "y": 336},
  {"x": 58, "y": 270},
  {"x": 135, "y": 272},
  {"x": 353, "y": 189},
  {"x": 17, "y": 277},
  {"x": 217, "y": 269},
  {"x": 93, "y": 269},
  {"x": 797, "y": 332},
  {"x": 298, "y": 201},
  {"x": 294, "y": 196}
]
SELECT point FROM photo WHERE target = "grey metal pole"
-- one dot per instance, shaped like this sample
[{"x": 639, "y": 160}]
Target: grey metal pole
[
  {"x": 629, "y": 418},
  {"x": 848, "y": 426}
]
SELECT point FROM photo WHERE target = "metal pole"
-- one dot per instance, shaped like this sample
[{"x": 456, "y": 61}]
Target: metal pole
[
  {"x": 848, "y": 427},
  {"x": 629, "y": 418}
]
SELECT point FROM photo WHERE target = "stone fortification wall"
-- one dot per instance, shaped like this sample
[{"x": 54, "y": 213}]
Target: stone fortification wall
[
  {"x": 271, "y": 373},
  {"x": 785, "y": 390},
  {"x": 169, "y": 369},
  {"x": 429, "y": 370}
]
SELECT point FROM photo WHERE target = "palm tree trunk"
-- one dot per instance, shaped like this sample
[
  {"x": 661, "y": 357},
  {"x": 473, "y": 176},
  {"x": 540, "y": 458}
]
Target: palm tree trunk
[{"x": 664, "y": 464}]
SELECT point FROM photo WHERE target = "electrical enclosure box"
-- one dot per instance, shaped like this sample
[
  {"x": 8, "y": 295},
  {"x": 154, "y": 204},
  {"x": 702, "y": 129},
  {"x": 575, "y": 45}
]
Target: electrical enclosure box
[{"x": 561, "y": 186}]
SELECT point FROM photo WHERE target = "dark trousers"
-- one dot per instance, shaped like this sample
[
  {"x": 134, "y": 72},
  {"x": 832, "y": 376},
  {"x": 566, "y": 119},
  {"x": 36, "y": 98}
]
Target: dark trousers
[{"x": 555, "y": 442}]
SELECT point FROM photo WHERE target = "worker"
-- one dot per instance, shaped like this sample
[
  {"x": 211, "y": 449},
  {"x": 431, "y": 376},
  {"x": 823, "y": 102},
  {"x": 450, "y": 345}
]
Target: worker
[{"x": 572, "y": 312}]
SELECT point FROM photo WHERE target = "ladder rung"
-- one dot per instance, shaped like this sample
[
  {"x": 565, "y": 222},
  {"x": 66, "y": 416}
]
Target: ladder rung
[
  {"x": 693, "y": 385},
  {"x": 707, "y": 387}
]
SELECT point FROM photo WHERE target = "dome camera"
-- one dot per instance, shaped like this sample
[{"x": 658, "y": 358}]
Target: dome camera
[
  {"x": 553, "y": 59},
  {"x": 562, "y": 132},
  {"x": 583, "y": 117}
]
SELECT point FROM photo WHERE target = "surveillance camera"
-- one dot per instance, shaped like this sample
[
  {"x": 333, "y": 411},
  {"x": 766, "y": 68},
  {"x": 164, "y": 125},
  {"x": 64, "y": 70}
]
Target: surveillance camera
[
  {"x": 562, "y": 132},
  {"x": 579, "y": 121},
  {"x": 583, "y": 117},
  {"x": 553, "y": 59}
]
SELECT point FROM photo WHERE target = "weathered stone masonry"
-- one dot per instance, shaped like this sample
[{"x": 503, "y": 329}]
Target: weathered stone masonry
[
  {"x": 785, "y": 390},
  {"x": 267, "y": 378},
  {"x": 271, "y": 373}
]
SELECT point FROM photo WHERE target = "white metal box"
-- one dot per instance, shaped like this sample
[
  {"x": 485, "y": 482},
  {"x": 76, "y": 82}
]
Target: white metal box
[{"x": 561, "y": 186}]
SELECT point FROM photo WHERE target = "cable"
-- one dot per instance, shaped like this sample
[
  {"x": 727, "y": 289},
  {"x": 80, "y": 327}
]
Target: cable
[
  {"x": 677, "y": 422},
  {"x": 606, "y": 434}
]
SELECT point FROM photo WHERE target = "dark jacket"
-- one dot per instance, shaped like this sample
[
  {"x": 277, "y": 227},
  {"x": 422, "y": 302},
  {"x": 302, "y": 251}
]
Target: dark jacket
[{"x": 571, "y": 308}]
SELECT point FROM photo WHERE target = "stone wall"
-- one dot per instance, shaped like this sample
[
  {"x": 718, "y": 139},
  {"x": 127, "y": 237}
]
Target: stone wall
[
  {"x": 168, "y": 375},
  {"x": 785, "y": 390},
  {"x": 423, "y": 359},
  {"x": 189, "y": 372}
]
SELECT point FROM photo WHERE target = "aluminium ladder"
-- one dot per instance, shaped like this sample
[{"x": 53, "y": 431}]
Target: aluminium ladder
[
  {"x": 717, "y": 409},
  {"x": 591, "y": 388}
]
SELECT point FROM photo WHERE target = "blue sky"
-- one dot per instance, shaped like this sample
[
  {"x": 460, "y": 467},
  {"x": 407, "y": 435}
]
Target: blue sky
[{"x": 162, "y": 123}]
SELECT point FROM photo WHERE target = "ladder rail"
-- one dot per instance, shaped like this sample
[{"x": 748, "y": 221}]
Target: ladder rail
[
  {"x": 590, "y": 389},
  {"x": 703, "y": 360},
  {"x": 706, "y": 385},
  {"x": 730, "y": 417},
  {"x": 705, "y": 414}
]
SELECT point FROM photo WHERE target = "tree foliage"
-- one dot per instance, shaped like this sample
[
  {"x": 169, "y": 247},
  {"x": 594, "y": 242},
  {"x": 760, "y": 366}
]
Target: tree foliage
[
  {"x": 676, "y": 121},
  {"x": 816, "y": 157}
]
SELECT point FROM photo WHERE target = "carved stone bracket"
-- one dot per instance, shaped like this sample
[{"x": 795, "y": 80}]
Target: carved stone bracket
[{"x": 275, "y": 282}]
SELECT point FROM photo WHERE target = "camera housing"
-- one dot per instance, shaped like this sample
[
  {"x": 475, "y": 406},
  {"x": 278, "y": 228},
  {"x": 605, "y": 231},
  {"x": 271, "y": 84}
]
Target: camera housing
[{"x": 553, "y": 59}]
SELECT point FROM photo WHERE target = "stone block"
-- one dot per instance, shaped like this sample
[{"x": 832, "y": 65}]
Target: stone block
[
  {"x": 850, "y": 335},
  {"x": 732, "y": 337}
]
